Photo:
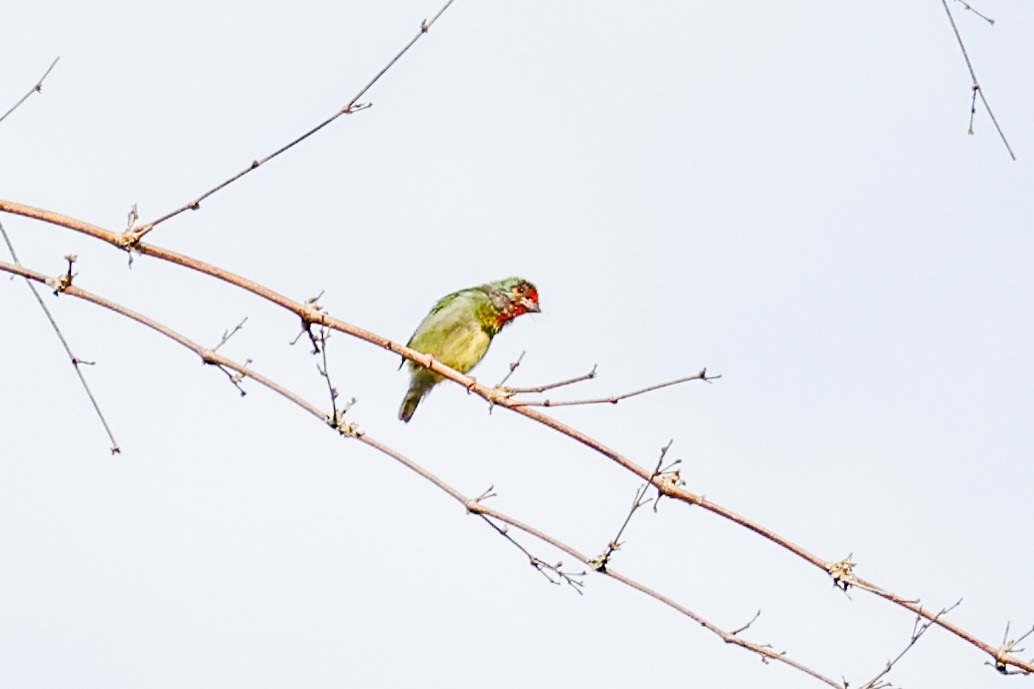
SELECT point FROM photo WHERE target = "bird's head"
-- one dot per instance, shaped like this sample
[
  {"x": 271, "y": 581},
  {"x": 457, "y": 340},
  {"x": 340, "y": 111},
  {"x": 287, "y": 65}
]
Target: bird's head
[
  {"x": 513, "y": 297},
  {"x": 524, "y": 296}
]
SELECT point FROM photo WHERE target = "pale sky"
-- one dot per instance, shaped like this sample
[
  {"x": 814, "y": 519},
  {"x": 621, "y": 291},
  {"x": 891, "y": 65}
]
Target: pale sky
[{"x": 784, "y": 193}]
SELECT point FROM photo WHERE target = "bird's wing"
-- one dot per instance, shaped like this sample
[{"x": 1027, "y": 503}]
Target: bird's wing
[{"x": 447, "y": 312}]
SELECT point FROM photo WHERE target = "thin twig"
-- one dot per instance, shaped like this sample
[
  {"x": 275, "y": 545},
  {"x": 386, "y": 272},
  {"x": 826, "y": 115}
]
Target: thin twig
[
  {"x": 747, "y": 626},
  {"x": 614, "y": 399},
  {"x": 554, "y": 574},
  {"x": 353, "y": 106},
  {"x": 918, "y": 629},
  {"x": 37, "y": 88},
  {"x": 970, "y": 9},
  {"x": 227, "y": 334},
  {"x": 551, "y": 386},
  {"x": 513, "y": 367},
  {"x": 76, "y": 361},
  {"x": 976, "y": 85},
  {"x": 336, "y": 415},
  {"x": 600, "y": 562}
]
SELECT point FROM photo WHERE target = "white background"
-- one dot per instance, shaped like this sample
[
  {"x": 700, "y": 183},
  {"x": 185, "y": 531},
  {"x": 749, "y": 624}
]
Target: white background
[{"x": 781, "y": 192}]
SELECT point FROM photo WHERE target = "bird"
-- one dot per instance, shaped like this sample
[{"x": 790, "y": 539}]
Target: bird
[{"x": 459, "y": 328}]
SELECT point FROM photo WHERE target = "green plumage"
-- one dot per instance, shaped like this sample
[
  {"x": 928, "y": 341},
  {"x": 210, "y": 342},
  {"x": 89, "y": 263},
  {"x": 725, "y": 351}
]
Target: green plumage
[{"x": 459, "y": 329}]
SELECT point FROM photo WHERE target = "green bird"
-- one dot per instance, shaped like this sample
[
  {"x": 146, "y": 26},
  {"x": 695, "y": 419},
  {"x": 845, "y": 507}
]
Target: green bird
[{"x": 459, "y": 329}]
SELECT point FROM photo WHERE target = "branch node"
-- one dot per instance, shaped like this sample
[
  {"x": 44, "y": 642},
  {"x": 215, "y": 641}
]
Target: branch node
[
  {"x": 348, "y": 429},
  {"x": 60, "y": 284},
  {"x": 842, "y": 572},
  {"x": 129, "y": 239}
]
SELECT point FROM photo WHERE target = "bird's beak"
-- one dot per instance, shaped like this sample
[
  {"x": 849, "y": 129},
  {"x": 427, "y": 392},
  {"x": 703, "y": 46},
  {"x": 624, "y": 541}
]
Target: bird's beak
[{"x": 530, "y": 305}]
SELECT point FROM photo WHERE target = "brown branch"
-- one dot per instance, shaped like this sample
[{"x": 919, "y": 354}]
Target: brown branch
[
  {"x": 664, "y": 486},
  {"x": 473, "y": 505},
  {"x": 1008, "y": 648},
  {"x": 37, "y": 88},
  {"x": 136, "y": 234}
]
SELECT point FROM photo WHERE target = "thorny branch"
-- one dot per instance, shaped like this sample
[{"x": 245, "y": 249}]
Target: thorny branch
[
  {"x": 473, "y": 506},
  {"x": 315, "y": 315},
  {"x": 135, "y": 234}
]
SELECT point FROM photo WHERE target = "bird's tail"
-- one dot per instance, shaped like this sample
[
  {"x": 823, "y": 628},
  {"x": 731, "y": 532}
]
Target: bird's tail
[{"x": 409, "y": 403}]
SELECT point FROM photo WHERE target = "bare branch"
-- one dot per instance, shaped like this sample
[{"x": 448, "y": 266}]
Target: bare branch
[
  {"x": 613, "y": 399},
  {"x": 600, "y": 562},
  {"x": 37, "y": 88},
  {"x": 136, "y": 234},
  {"x": 1002, "y": 660},
  {"x": 474, "y": 506},
  {"x": 513, "y": 367},
  {"x": 551, "y": 386},
  {"x": 970, "y": 9},
  {"x": 76, "y": 361},
  {"x": 336, "y": 415},
  {"x": 667, "y": 487},
  {"x": 745, "y": 627},
  {"x": 918, "y": 629},
  {"x": 227, "y": 334},
  {"x": 554, "y": 574},
  {"x": 976, "y": 84}
]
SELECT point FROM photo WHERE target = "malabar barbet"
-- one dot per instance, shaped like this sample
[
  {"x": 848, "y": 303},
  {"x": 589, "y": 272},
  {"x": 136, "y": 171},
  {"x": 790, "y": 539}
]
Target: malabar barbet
[{"x": 459, "y": 329}]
